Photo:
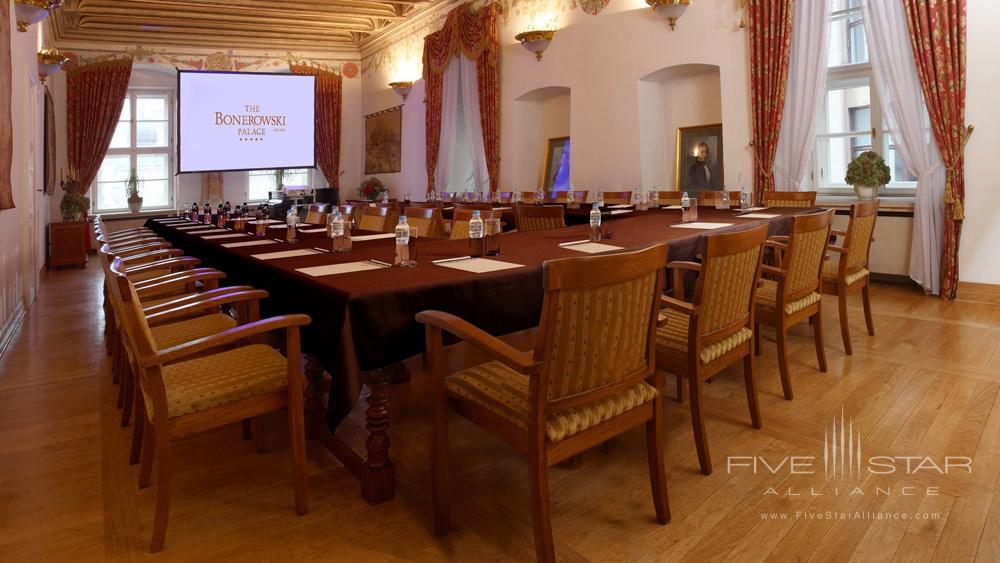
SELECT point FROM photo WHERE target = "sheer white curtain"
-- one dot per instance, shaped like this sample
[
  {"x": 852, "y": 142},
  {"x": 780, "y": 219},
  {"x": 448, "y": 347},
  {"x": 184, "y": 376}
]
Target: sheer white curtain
[
  {"x": 905, "y": 115},
  {"x": 461, "y": 162},
  {"x": 806, "y": 85}
]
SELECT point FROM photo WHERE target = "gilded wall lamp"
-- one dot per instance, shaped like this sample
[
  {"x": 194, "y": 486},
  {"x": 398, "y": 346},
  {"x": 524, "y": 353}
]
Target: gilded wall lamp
[
  {"x": 29, "y": 12},
  {"x": 402, "y": 88},
  {"x": 670, "y": 10},
  {"x": 50, "y": 61},
  {"x": 536, "y": 40}
]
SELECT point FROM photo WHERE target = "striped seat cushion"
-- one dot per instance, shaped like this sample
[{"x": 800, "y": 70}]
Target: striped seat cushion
[
  {"x": 155, "y": 300},
  {"x": 211, "y": 381},
  {"x": 831, "y": 273},
  {"x": 672, "y": 336},
  {"x": 767, "y": 296},
  {"x": 172, "y": 334},
  {"x": 504, "y": 392}
]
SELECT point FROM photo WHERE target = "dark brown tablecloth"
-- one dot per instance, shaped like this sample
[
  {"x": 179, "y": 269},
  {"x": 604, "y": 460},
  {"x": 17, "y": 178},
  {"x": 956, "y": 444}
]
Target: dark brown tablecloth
[{"x": 380, "y": 305}]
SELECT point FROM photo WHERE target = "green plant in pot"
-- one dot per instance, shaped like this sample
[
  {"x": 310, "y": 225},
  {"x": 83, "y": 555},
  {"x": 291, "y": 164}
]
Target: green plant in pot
[
  {"x": 132, "y": 191},
  {"x": 279, "y": 179},
  {"x": 868, "y": 173},
  {"x": 74, "y": 205}
]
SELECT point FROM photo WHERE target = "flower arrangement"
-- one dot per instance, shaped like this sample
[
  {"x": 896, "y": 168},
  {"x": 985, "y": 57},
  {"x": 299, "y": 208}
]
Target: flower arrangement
[
  {"x": 74, "y": 204},
  {"x": 371, "y": 189},
  {"x": 867, "y": 173}
]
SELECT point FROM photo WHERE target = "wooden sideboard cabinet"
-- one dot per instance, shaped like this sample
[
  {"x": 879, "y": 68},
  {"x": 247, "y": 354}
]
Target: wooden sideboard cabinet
[{"x": 68, "y": 243}]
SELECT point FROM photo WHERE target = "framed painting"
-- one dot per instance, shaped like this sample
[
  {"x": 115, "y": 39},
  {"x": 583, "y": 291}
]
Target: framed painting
[
  {"x": 556, "y": 164},
  {"x": 699, "y": 158},
  {"x": 383, "y": 141},
  {"x": 50, "y": 144}
]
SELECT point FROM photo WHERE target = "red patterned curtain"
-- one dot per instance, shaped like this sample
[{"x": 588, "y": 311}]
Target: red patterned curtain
[
  {"x": 770, "y": 26},
  {"x": 95, "y": 95},
  {"x": 937, "y": 35},
  {"x": 329, "y": 87},
  {"x": 6, "y": 125},
  {"x": 476, "y": 36}
]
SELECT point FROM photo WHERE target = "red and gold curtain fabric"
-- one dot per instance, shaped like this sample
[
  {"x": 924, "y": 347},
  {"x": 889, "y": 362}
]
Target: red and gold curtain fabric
[
  {"x": 937, "y": 35},
  {"x": 95, "y": 95},
  {"x": 476, "y": 36},
  {"x": 329, "y": 88},
  {"x": 6, "y": 125},
  {"x": 770, "y": 26}
]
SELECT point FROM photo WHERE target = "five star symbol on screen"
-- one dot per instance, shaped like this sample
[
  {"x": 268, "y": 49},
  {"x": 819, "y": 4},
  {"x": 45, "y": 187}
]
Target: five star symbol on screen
[{"x": 251, "y": 139}]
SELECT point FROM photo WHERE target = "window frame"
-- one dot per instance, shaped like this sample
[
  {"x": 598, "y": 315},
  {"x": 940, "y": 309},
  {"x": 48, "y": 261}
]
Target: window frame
[{"x": 310, "y": 178}]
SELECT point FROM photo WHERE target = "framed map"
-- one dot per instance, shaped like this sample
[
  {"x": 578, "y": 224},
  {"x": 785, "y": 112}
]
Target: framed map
[{"x": 383, "y": 134}]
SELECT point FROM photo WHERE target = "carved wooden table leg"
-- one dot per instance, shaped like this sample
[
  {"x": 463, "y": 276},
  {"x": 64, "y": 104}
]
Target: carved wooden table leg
[
  {"x": 315, "y": 409},
  {"x": 378, "y": 479}
]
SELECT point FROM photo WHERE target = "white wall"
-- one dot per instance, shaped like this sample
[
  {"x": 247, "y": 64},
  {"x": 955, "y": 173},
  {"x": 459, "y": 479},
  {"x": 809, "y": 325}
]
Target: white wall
[{"x": 539, "y": 115}]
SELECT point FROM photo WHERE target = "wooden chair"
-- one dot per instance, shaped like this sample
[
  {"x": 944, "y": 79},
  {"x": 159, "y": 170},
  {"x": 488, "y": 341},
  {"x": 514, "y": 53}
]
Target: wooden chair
[
  {"x": 460, "y": 222},
  {"x": 437, "y": 204},
  {"x": 699, "y": 339},
  {"x": 552, "y": 405},
  {"x": 317, "y": 214},
  {"x": 789, "y": 199},
  {"x": 580, "y": 196},
  {"x": 707, "y": 198},
  {"x": 191, "y": 388},
  {"x": 506, "y": 198},
  {"x": 539, "y": 217},
  {"x": 529, "y": 197},
  {"x": 472, "y": 206},
  {"x": 380, "y": 219},
  {"x": 617, "y": 198},
  {"x": 789, "y": 292},
  {"x": 447, "y": 196},
  {"x": 671, "y": 197},
  {"x": 849, "y": 274},
  {"x": 427, "y": 220}
]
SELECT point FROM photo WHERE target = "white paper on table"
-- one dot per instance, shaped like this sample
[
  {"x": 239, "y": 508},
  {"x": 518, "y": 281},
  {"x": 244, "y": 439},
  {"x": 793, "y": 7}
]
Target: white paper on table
[
  {"x": 373, "y": 237},
  {"x": 248, "y": 243},
  {"x": 590, "y": 247},
  {"x": 269, "y": 221},
  {"x": 620, "y": 211},
  {"x": 171, "y": 220},
  {"x": 321, "y": 230},
  {"x": 194, "y": 227},
  {"x": 755, "y": 209},
  {"x": 286, "y": 254},
  {"x": 230, "y": 235},
  {"x": 701, "y": 225},
  {"x": 333, "y": 269},
  {"x": 479, "y": 265},
  {"x": 204, "y": 232},
  {"x": 619, "y": 206},
  {"x": 502, "y": 208},
  {"x": 672, "y": 207},
  {"x": 760, "y": 216}
]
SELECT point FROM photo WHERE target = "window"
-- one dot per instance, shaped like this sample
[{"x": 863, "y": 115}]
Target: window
[
  {"x": 263, "y": 181},
  {"x": 143, "y": 140},
  {"x": 850, "y": 121}
]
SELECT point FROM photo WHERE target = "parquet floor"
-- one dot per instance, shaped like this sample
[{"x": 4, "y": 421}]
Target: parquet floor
[{"x": 928, "y": 385}]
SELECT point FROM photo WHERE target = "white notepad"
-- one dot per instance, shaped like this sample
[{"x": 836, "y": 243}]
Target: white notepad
[
  {"x": 760, "y": 216},
  {"x": 619, "y": 206},
  {"x": 620, "y": 211},
  {"x": 590, "y": 247},
  {"x": 333, "y": 269},
  {"x": 502, "y": 208},
  {"x": 479, "y": 265},
  {"x": 286, "y": 254},
  {"x": 230, "y": 235},
  {"x": 701, "y": 225},
  {"x": 672, "y": 207},
  {"x": 320, "y": 230},
  {"x": 755, "y": 209},
  {"x": 248, "y": 243},
  {"x": 373, "y": 237}
]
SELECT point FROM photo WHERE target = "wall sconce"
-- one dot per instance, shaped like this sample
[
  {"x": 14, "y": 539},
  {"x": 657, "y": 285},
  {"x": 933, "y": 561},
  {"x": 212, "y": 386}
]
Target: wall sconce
[
  {"x": 402, "y": 88},
  {"x": 671, "y": 10},
  {"x": 536, "y": 40},
  {"x": 50, "y": 61},
  {"x": 29, "y": 12}
]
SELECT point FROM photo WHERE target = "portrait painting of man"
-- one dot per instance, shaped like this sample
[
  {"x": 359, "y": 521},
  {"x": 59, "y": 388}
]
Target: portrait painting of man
[{"x": 699, "y": 158}]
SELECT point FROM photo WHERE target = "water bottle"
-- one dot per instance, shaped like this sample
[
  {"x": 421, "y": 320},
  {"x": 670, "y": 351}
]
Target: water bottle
[
  {"x": 723, "y": 200},
  {"x": 595, "y": 223},
  {"x": 476, "y": 241},
  {"x": 402, "y": 243},
  {"x": 184, "y": 210},
  {"x": 194, "y": 211},
  {"x": 746, "y": 198},
  {"x": 600, "y": 198},
  {"x": 540, "y": 197},
  {"x": 267, "y": 212},
  {"x": 259, "y": 214},
  {"x": 654, "y": 199},
  {"x": 571, "y": 200},
  {"x": 207, "y": 218},
  {"x": 246, "y": 209},
  {"x": 685, "y": 207},
  {"x": 636, "y": 198},
  {"x": 292, "y": 221},
  {"x": 408, "y": 196},
  {"x": 335, "y": 230},
  {"x": 385, "y": 196}
]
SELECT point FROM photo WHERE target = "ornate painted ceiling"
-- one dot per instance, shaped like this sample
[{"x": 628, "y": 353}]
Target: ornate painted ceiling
[{"x": 314, "y": 25}]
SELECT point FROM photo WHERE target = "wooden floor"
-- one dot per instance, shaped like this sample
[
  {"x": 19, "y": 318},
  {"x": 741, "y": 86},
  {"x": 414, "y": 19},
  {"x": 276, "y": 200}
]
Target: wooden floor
[{"x": 926, "y": 385}]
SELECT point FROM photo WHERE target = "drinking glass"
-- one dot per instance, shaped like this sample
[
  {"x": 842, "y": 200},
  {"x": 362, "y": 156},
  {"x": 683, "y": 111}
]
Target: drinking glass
[{"x": 493, "y": 228}]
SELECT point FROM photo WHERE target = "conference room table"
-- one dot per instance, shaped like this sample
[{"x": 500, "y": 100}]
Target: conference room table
[{"x": 363, "y": 321}]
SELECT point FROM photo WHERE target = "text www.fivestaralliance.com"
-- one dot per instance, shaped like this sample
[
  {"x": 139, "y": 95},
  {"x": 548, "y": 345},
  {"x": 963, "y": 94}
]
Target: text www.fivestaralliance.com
[{"x": 857, "y": 515}]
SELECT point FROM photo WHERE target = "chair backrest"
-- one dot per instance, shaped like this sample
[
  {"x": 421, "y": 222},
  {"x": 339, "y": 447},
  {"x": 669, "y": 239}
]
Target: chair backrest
[
  {"x": 460, "y": 221},
  {"x": 131, "y": 316},
  {"x": 730, "y": 267},
  {"x": 506, "y": 197},
  {"x": 670, "y": 197},
  {"x": 382, "y": 219},
  {"x": 597, "y": 331},
  {"x": 860, "y": 231},
  {"x": 617, "y": 198},
  {"x": 427, "y": 220},
  {"x": 580, "y": 196},
  {"x": 437, "y": 204},
  {"x": 528, "y": 197},
  {"x": 803, "y": 259},
  {"x": 447, "y": 196},
  {"x": 470, "y": 206},
  {"x": 789, "y": 199},
  {"x": 317, "y": 213},
  {"x": 708, "y": 198},
  {"x": 539, "y": 217}
]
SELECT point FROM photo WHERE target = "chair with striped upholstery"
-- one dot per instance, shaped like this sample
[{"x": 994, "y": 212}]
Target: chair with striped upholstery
[
  {"x": 569, "y": 395},
  {"x": 460, "y": 222},
  {"x": 199, "y": 385},
  {"x": 849, "y": 273},
  {"x": 427, "y": 220},
  {"x": 471, "y": 206},
  {"x": 773, "y": 198},
  {"x": 670, "y": 197},
  {"x": 789, "y": 291},
  {"x": 529, "y": 197},
  {"x": 380, "y": 219},
  {"x": 697, "y": 340},
  {"x": 505, "y": 198},
  {"x": 580, "y": 196},
  {"x": 316, "y": 215},
  {"x": 539, "y": 217},
  {"x": 617, "y": 198}
]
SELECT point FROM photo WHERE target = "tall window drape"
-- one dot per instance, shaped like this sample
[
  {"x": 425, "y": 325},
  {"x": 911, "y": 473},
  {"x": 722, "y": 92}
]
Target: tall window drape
[
  {"x": 6, "y": 124},
  {"x": 473, "y": 35},
  {"x": 95, "y": 95},
  {"x": 770, "y": 27},
  {"x": 461, "y": 155},
  {"x": 804, "y": 93},
  {"x": 937, "y": 35},
  {"x": 329, "y": 93}
]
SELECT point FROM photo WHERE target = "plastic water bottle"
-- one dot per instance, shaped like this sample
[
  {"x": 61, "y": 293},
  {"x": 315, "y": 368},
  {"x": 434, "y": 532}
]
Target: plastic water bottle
[
  {"x": 746, "y": 198},
  {"x": 292, "y": 221},
  {"x": 207, "y": 218},
  {"x": 335, "y": 230},
  {"x": 184, "y": 210},
  {"x": 476, "y": 240},
  {"x": 540, "y": 197},
  {"x": 654, "y": 199},
  {"x": 600, "y": 198},
  {"x": 385, "y": 196},
  {"x": 571, "y": 200},
  {"x": 636, "y": 198},
  {"x": 402, "y": 243},
  {"x": 685, "y": 207},
  {"x": 194, "y": 211},
  {"x": 408, "y": 196},
  {"x": 595, "y": 223}
]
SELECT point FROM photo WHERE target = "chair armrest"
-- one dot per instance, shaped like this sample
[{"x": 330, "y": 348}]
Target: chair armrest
[
  {"x": 176, "y": 280},
  {"x": 512, "y": 357},
  {"x": 778, "y": 238},
  {"x": 772, "y": 271},
  {"x": 152, "y": 255},
  {"x": 214, "y": 302},
  {"x": 680, "y": 306},
  {"x": 187, "y": 298},
  {"x": 776, "y": 244},
  {"x": 131, "y": 251},
  {"x": 170, "y": 263},
  {"x": 837, "y": 249},
  {"x": 224, "y": 338},
  {"x": 684, "y": 265},
  {"x": 838, "y": 232}
]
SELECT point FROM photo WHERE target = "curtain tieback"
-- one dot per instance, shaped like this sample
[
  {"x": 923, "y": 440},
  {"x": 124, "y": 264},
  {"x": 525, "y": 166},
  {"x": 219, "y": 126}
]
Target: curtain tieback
[{"x": 926, "y": 175}]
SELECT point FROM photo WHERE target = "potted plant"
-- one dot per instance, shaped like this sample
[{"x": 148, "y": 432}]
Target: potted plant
[
  {"x": 74, "y": 204},
  {"x": 132, "y": 191},
  {"x": 371, "y": 189},
  {"x": 279, "y": 179},
  {"x": 868, "y": 173}
]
